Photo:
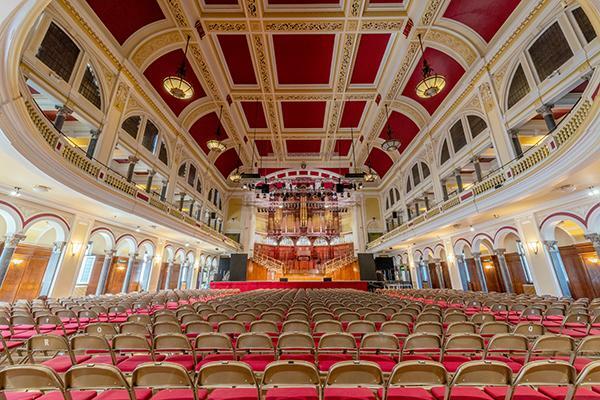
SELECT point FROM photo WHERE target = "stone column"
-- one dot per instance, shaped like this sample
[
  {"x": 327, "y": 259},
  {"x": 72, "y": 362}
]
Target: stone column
[
  {"x": 169, "y": 270},
  {"x": 559, "y": 271},
  {"x": 504, "y": 271},
  {"x": 132, "y": 162},
  {"x": 163, "y": 190},
  {"x": 181, "y": 200},
  {"x": 595, "y": 239},
  {"x": 145, "y": 279},
  {"x": 514, "y": 139},
  {"x": 10, "y": 244},
  {"x": 461, "y": 265},
  {"x": 62, "y": 113},
  {"x": 480, "y": 273},
  {"x": 426, "y": 199},
  {"x": 444, "y": 189},
  {"x": 546, "y": 112},
  {"x": 182, "y": 271},
  {"x": 477, "y": 167},
  {"x": 91, "y": 149},
  {"x": 459, "y": 181},
  {"x": 127, "y": 280},
  {"x": 191, "y": 210},
  {"x": 190, "y": 275},
  {"x": 439, "y": 272},
  {"x": 52, "y": 267},
  {"x": 108, "y": 258},
  {"x": 416, "y": 208},
  {"x": 151, "y": 174}
]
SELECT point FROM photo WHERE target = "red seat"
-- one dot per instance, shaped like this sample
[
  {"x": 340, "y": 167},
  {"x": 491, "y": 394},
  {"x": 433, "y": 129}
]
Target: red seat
[
  {"x": 185, "y": 360},
  {"x": 105, "y": 359},
  {"x": 521, "y": 393},
  {"x": 129, "y": 364},
  {"x": 596, "y": 389},
  {"x": 179, "y": 394},
  {"x": 460, "y": 393},
  {"x": 333, "y": 393},
  {"x": 560, "y": 392},
  {"x": 23, "y": 334},
  {"x": 122, "y": 394},
  {"x": 234, "y": 394},
  {"x": 298, "y": 357},
  {"x": 452, "y": 362},
  {"x": 258, "y": 362},
  {"x": 407, "y": 393},
  {"x": 214, "y": 357},
  {"x": 63, "y": 363},
  {"x": 327, "y": 360},
  {"x": 292, "y": 393},
  {"x": 385, "y": 362},
  {"x": 514, "y": 366},
  {"x": 75, "y": 395},
  {"x": 22, "y": 395},
  {"x": 581, "y": 362}
]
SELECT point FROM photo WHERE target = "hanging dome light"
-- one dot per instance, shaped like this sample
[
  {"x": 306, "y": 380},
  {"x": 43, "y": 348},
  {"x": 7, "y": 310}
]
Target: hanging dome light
[
  {"x": 235, "y": 176},
  {"x": 390, "y": 144},
  {"x": 370, "y": 176},
  {"x": 432, "y": 83},
  {"x": 216, "y": 144},
  {"x": 176, "y": 84}
]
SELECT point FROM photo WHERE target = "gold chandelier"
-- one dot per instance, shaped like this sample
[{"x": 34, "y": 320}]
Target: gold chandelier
[
  {"x": 176, "y": 84},
  {"x": 216, "y": 144},
  {"x": 432, "y": 83}
]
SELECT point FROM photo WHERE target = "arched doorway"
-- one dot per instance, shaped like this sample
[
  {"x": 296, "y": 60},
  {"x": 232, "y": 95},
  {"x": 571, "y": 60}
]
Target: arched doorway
[
  {"x": 440, "y": 254},
  {"x": 165, "y": 270},
  {"x": 487, "y": 266},
  {"x": 510, "y": 248},
  {"x": 98, "y": 248},
  {"x": 176, "y": 272},
  {"x": 125, "y": 251}
]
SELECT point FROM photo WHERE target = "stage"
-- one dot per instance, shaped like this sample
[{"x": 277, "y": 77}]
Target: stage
[{"x": 245, "y": 286}]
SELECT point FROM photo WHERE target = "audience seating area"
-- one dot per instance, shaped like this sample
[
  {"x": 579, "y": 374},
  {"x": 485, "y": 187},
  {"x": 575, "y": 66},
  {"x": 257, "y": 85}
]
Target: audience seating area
[{"x": 301, "y": 344}]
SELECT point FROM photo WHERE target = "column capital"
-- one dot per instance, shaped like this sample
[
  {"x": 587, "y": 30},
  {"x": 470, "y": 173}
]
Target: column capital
[
  {"x": 110, "y": 252},
  {"x": 95, "y": 133},
  {"x": 475, "y": 160},
  {"x": 133, "y": 256},
  {"x": 594, "y": 238},
  {"x": 13, "y": 240},
  {"x": 550, "y": 243},
  {"x": 476, "y": 255},
  {"x": 499, "y": 252},
  {"x": 457, "y": 171},
  {"x": 58, "y": 246},
  {"x": 133, "y": 159},
  {"x": 151, "y": 172},
  {"x": 545, "y": 109},
  {"x": 512, "y": 132}
]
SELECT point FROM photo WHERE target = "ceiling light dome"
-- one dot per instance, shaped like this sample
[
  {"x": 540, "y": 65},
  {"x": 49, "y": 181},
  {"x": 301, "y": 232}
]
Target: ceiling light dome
[
  {"x": 176, "y": 84},
  {"x": 216, "y": 145},
  {"x": 235, "y": 176},
  {"x": 432, "y": 83},
  {"x": 390, "y": 144}
]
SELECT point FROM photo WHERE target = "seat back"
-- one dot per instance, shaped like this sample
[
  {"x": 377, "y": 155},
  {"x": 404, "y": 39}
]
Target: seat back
[
  {"x": 264, "y": 326},
  {"x": 96, "y": 377},
  {"x": 164, "y": 327},
  {"x": 198, "y": 327},
  {"x": 337, "y": 343},
  {"x": 461, "y": 327},
  {"x": 552, "y": 346},
  {"x": 226, "y": 374},
  {"x": 328, "y": 326},
  {"x": 361, "y": 327},
  {"x": 48, "y": 344},
  {"x": 18, "y": 378},
  {"x": 379, "y": 342},
  {"x": 295, "y": 326},
  {"x": 507, "y": 343},
  {"x": 127, "y": 343},
  {"x": 422, "y": 344},
  {"x": 134, "y": 328},
  {"x": 253, "y": 342},
  {"x": 160, "y": 376},
  {"x": 105, "y": 329},
  {"x": 231, "y": 327},
  {"x": 295, "y": 342},
  {"x": 85, "y": 343},
  {"x": 288, "y": 373},
  {"x": 419, "y": 373},
  {"x": 397, "y": 328},
  {"x": 354, "y": 374},
  {"x": 544, "y": 373},
  {"x": 464, "y": 343},
  {"x": 481, "y": 373}
]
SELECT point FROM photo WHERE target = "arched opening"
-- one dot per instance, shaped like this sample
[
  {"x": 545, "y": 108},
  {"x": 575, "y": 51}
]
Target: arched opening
[
  {"x": 442, "y": 259},
  {"x": 466, "y": 266},
  {"x": 97, "y": 253},
  {"x": 140, "y": 276},
  {"x": 489, "y": 267},
  {"x": 187, "y": 272},
  {"x": 123, "y": 260},
  {"x": 512, "y": 250},
  {"x": 167, "y": 259},
  {"x": 177, "y": 269}
]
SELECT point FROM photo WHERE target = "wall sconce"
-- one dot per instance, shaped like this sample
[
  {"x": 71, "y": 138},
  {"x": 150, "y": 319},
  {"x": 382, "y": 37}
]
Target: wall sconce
[
  {"x": 594, "y": 260},
  {"x": 534, "y": 246},
  {"x": 18, "y": 261},
  {"x": 75, "y": 247},
  {"x": 450, "y": 259}
]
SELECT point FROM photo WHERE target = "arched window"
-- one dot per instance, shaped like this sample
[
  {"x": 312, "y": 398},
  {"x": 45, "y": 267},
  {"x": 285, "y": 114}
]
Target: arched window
[
  {"x": 425, "y": 170},
  {"x": 519, "y": 87},
  {"x": 391, "y": 195},
  {"x": 408, "y": 185},
  {"x": 457, "y": 135},
  {"x": 150, "y": 136},
  {"x": 397, "y": 194},
  {"x": 58, "y": 52},
  {"x": 584, "y": 24},
  {"x": 476, "y": 125},
  {"x": 387, "y": 203},
  {"x": 445, "y": 156},
  {"x": 550, "y": 51},
  {"x": 191, "y": 178},
  {"x": 181, "y": 171},
  {"x": 199, "y": 186},
  {"x": 162, "y": 154},
  {"x": 89, "y": 87},
  {"x": 415, "y": 174},
  {"x": 132, "y": 125}
]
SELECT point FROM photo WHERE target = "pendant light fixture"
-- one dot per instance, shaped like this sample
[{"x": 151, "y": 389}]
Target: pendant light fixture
[
  {"x": 390, "y": 143},
  {"x": 432, "y": 83},
  {"x": 370, "y": 175},
  {"x": 176, "y": 84},
  {"x": 216, "y": 144},
  {"x": 356, "y": 174},
  {"x": 252, "y": 176}
]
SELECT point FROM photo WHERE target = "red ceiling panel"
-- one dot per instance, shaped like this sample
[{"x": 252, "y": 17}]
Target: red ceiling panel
[
  {"x": 237, "y": 56},
  {"x": 124, "y": 18},
  {"x": 352, "y": 114},
  {"x": 484, "y": 17},
  {"x": 303, "y": 146},
  {"x": 255, "y": 114},
  {"x": 165, "y": 66},
  {"x": 379, "y": 161},
  {"x": 303, "y": 114},
  {"x": 227, "y": 162},
  {"x": 205, "y": 129},
  {"x": 303, "y": 59},
  {"x": 342, "y": 147},
  {"x": 403, "y": 129},
  {"x": 338, "y": 171},
  {"x": 442, "y": 64},
  {"x": 371, "y": 50},
  {"x": 264, "y": 147}
]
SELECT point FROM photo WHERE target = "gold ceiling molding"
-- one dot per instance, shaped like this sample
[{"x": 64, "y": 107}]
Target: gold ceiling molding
[
  {"x": 261, "y": 58},
  {"x": 410, "y": 111},
  {"x": 251, "y": 8},
  {"x": 121, "y": 96},
  {"x": 347, "y": 52},
  {"x": 453, "y": 43},
  {"x": 175, "y": 7},
  {"x": 147, "y": 49},
  {"x": 406, "y": 63},
  {"x": 430, "y": 11},
  {"x": 274, "y": 123},
  {"x": 332, "y": 128},
  {"x": 383, "y": 25},
  {"x": 204, "y": 71},
  {"x": 486, "y": 96},
  {"x": 361, "y": 96},
  {"x": 198, "y": 112},
  {"x": 355, "y": 8},
  {"x": 106, "y": 73},
  {"x": 304, "y": 26},
  {"x": 303, "y": 97},
  {"x": 222, "y": 26}
]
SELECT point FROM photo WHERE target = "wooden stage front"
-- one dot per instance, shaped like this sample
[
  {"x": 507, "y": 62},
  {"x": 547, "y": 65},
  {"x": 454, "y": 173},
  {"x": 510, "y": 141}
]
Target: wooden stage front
[{"x": 245, "y": 286}]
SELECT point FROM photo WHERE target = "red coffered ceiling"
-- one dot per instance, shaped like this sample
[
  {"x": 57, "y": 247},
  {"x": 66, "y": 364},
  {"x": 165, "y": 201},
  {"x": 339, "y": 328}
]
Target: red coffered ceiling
[
  {"x": 303, "y": 59},
  {"x": 205, "y": 129},
  {"x": 484, "y": 17},
  {"x": 237, "y": 56},
  {"x": 303, "y": 114},
  {"x": 124, "y": 18},
  {"x": 165, "y": 66},
  {"x": 227, "y": 162},
  {"x": 289, "y": 76}
]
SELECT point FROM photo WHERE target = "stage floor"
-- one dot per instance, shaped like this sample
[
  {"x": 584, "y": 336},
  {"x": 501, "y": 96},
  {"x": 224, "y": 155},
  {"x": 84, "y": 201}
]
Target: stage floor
[{"x": 245, "y": 286}]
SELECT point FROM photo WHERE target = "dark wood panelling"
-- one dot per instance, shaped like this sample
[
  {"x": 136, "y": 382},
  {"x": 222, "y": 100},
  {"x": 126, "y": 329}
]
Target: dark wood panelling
[
  {"x": 517, "y": 273},
  {"x": 163, "y": 275},
  {"x": 491, "y": 271},
  {"x": 24, "y": 279},
  {"x": 446, "y": 274},
  {"x": 116, "y": 275},
  {"x": 95, "y": 277},
  {"x": 174, "y": 276},
  {"x": 574, "y": 259},
  {"x": 475, "y": 283},
  {"x": 435, "y": 281},
  {"x": 136, "y": 276}
]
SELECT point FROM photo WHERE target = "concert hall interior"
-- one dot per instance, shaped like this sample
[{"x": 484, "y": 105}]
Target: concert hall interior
[{"x": 300, "y": 199}]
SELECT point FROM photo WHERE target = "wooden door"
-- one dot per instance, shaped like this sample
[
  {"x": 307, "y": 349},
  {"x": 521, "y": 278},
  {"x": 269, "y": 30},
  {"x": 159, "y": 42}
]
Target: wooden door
[
  {"x": 163, "y": 275},
  {"x": 95, "y": 276},
  {"x": 116, "y": 275},
  {"x": 173, "y": 280},
  {"x": 491, "y": 271},
  {"x": 516, "y": 270},
  {"x": 475, "y": 283},
  {"x": 136, "y": 276},
  {"x": 446, "y": 275},
  {"x": 25, "y": 273},
  {"x": 433, "y": 275},
  {"x": 574, "y": 258}
]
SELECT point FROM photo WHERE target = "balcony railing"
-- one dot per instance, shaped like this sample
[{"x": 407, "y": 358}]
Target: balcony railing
[
  {"x": 507, "y": 173},
  {"x": 75, "y": 156}
]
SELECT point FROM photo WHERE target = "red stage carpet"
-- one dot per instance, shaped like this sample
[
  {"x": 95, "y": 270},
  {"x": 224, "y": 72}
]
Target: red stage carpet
[{"x": 253, "y": 285}]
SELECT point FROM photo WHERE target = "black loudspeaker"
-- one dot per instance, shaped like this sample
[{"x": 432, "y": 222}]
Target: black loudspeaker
[
  {"x": 264, "y": 189},
  {"x": 237, "y": 267},
  {"x": 394, "y": 214},
  {"x": 283, "y": 279},
  {"x": 339, "y": 188},
  {"x": 366, "y": 263},
  {"x": 326, "y": 279}
]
